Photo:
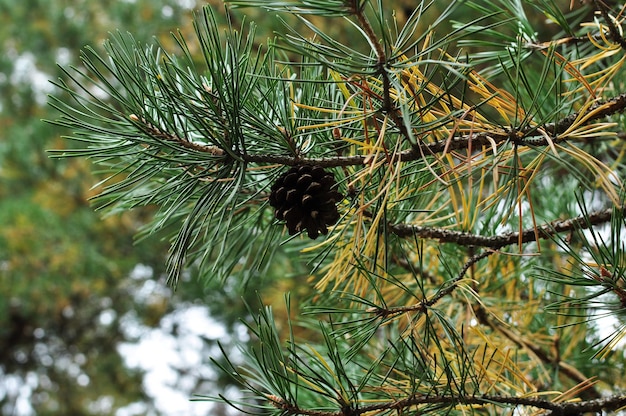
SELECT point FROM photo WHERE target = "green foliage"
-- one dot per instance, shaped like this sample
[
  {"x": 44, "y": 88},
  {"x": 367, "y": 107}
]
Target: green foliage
[{"x": 466, "y": 272}]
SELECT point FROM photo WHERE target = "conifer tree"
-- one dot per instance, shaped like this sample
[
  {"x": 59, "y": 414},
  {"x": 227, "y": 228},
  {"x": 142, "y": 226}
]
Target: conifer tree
[{"x": 453, "y": 182}]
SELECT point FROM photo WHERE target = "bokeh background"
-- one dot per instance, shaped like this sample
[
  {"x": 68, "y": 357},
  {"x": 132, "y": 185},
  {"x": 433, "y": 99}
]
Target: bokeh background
[{"x": 87, "y": 324}]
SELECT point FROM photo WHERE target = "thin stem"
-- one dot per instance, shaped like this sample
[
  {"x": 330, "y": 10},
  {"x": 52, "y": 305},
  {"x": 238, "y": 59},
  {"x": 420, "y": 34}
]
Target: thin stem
[
  {"x": 381, "y": 57},
  {"x": 426, "y": 303},
  {"x": 498, "y": 241},
  {"x": 453, "y": 283},
  {"x": 157, "y": 133},
  {"x": 602, "y": 405}
]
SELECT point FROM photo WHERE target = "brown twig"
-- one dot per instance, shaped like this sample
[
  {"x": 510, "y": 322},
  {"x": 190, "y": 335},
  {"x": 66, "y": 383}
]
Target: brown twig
[
  {"x": 157, "y": 133},
  {"x": 381, "y": 57},
  {"x": 598, "y": 406},
  {"x": 427, "y": 303},
  {"x": 498, "y": 241}
]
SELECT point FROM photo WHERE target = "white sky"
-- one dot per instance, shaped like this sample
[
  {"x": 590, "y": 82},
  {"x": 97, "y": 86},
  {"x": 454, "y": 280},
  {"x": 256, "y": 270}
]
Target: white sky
[{"x": 158, "y": 352}]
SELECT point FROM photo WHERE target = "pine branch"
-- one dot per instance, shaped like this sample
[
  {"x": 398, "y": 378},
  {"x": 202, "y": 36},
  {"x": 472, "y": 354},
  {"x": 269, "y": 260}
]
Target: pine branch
[
  {"x": 527, "y": 137},
  {"x": 556, "y": 409},
  {"x": 499, "y": 241},
  {"x": 242, "y": 111}
]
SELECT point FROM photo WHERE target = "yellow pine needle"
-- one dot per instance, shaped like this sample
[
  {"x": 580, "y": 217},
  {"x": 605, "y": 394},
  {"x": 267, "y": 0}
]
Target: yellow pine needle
[
  {"x": 571, "y": 69},
  {"x": 596, "y": 81},
  {"x": 583, "y": 115},
  {"x": 550, "y": 142},
  {"x": 504, "y": 363},
  {"x": 613, "y": 344},
  {"x": 342, "y": 267},
  {"x": 438, "y": 216},
  {"x": 341, "y": 84},
  {"x": 499, "y": 99},
  {"x": 495, "y": 378},
  {"x": 367, "y": 148},
  {"x": 594, "y": 131},
  {"x": 470, "y": 199},
  {"x": 575, "y": 391},
  {"x": 329, "y": 111},
  {"x": 605, "y": 179},
  {"x": 478, "y": 202}
]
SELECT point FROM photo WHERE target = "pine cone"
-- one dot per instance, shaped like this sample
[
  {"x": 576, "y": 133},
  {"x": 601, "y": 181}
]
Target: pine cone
[{"x": 305, "y": 199}]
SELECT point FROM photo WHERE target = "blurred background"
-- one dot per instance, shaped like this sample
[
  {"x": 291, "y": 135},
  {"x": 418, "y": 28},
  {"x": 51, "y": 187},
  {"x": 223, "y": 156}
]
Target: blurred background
[{"x": 87, "y": 324}]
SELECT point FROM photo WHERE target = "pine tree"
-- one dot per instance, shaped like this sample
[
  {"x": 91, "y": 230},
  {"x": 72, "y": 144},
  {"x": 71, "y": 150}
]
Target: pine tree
[{"x": 453, "y": 182}]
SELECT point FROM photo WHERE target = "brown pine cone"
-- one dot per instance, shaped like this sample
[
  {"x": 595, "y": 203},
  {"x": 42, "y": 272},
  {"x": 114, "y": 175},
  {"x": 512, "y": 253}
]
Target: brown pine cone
[{"x": 305, "y": 198}]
